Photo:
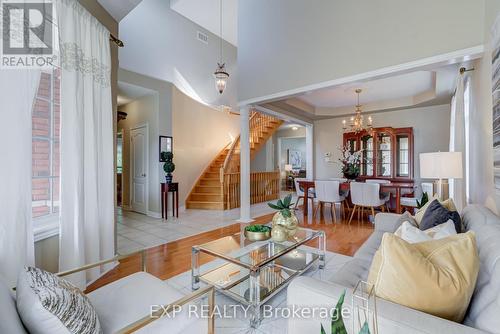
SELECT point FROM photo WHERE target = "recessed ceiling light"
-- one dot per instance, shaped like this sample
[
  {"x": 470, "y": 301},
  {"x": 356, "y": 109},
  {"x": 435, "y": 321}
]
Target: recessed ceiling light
[{"x": 295, "y": 128}]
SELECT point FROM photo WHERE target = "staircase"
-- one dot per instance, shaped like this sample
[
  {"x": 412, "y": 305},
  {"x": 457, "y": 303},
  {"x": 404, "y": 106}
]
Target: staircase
[{"x": 210, "y": 191}]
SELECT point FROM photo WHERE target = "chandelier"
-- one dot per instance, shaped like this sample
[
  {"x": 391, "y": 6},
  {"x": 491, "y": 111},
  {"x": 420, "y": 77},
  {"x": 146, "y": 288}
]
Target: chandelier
[
  {"x": 221, "y": 75},
  {"x": 356, "y": 123}
]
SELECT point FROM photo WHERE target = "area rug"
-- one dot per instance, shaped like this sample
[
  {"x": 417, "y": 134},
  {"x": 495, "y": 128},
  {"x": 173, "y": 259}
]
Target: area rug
[{"x": 235, "y": 320}]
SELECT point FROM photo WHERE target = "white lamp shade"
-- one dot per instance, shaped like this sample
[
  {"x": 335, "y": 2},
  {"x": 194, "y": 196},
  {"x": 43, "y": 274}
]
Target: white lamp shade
[
  {"x": 441, "y": 165},
  {"x": 288, "y": 168}
]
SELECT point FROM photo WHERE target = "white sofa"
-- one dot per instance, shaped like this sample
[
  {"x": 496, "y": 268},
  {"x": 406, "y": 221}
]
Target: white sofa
[
  {"x": 483, "y": 315},
  {"x": 124, "y": 306}
]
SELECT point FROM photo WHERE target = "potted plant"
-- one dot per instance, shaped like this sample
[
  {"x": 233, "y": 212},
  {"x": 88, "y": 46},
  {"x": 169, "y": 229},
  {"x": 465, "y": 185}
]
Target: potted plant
[
  {"x": 350, "y": 162},
  {"x": 423, "y": 200},
  {"x": 168, "y": 166},
  {"x": 285, "y": 217},
  {"x": 257, "y": 232}
]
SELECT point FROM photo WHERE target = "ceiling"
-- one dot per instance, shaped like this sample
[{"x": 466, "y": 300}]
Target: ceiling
[
  {"x": 391, "y": 88},
  {"x": 408, "y": 90},
  {"x": 128, "y": 93},
  {"x": 119, "y": 8},
  {"x": 206, "y": 14}
]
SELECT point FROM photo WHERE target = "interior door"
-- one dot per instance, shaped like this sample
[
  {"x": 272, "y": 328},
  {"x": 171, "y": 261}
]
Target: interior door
[{"x": 138, "y": 168}]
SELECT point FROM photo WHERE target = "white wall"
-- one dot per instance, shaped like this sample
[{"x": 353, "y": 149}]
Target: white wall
[
  {"x": 199, "y": 134},
  {"x": 260, "y": 161},
  {"x": 163, "y": 44},
  {"x": 298, "y": 43},
  {"x": 142, "y": 111},
  {"x": 431, "y": 131}
]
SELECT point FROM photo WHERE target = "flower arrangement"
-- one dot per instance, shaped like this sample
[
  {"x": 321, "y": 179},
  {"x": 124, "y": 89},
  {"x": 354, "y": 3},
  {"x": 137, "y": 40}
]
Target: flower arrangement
[{"x": 350, "y": 162}]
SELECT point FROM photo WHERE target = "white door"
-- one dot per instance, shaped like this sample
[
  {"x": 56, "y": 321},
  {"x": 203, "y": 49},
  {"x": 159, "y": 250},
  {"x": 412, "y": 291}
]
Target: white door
[{"x": 138, "y": 168}]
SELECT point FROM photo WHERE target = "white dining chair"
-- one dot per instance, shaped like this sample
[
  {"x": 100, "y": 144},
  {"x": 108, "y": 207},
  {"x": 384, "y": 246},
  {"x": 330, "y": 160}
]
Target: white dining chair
[
  {"x": 329, "y": 192},
  {"x": 383, "y": 195},
  {"x": 342, "y": 192},
  {"x": 411, "y": 202},
  {"x": 365, "y": 195},
  {"x": 300, "y": 192}
]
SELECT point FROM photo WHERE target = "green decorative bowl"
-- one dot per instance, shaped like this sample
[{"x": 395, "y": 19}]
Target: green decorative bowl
[{"x": 257, "y": 236}]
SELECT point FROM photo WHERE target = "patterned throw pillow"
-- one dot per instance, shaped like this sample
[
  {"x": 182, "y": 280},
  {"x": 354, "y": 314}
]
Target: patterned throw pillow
[{"x": 50, "y": 304}]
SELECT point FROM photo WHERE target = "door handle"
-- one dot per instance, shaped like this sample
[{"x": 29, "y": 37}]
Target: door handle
[{"x": 143, "y": 175}]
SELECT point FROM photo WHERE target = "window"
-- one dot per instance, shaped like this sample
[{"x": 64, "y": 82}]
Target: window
[
  {"x": 367, "y": 156},
  {"x": 45, "y": 147},
  {"x": 384, "y": 155},
  {"x": 403, "y": 162}
]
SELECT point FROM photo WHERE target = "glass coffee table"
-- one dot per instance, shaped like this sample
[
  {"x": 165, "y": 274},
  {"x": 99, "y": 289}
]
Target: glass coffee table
[{"x": 252, "y": 272}]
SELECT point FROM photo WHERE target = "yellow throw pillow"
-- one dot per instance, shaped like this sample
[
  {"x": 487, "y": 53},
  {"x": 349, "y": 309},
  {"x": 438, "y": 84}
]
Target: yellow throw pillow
[
  {"x": 448, "y": 204},
  {"x": 436, "y": 277}
]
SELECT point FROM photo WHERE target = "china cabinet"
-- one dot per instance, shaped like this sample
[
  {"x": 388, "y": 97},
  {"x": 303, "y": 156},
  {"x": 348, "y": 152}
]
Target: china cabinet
[{"x": 387, "y": 153}]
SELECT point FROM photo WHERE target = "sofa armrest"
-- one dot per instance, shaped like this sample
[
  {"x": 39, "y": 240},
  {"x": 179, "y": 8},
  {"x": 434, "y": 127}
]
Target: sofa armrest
[
  {"x": 387, "y": 222},
  {"x": 307, "y": 292},
  {"x": 167, "y": 309}
]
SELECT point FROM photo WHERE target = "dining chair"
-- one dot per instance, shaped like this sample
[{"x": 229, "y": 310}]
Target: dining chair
[
  {"x": 343, "y": 192},
  {"x": 300, "y": 192},
  {"x": 411, "y": 202},
  {"x": 365, "y": 195},
  {"x": 329, "y": 192},
  {"x": 383, "y": 195}
]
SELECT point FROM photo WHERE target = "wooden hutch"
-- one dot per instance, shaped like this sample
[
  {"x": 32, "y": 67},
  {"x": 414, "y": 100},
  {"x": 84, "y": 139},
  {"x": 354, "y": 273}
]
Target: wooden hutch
[{"x": 387, "y": 153}]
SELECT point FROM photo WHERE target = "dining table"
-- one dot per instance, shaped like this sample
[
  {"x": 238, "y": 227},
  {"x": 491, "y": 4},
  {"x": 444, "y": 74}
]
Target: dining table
[{"x": 394, "y": 186}]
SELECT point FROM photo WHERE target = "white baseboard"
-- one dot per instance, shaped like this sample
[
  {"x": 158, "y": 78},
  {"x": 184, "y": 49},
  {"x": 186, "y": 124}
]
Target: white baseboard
[{"x": 153, "y": 214}]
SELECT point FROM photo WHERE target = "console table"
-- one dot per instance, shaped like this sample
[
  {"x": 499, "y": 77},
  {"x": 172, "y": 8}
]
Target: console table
[{"x": 165, "y": 189}]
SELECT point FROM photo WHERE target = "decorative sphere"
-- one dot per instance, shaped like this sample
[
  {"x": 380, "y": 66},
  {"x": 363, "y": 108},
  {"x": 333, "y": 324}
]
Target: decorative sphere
[
  {"x": 289, "y": 223},
  {"x": 279, "y": 233}
]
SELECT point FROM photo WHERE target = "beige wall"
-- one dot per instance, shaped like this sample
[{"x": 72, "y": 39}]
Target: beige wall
[
  {"x": 431, "y": 129},
  {"x": 199, "y": 132},
  {"x": 140, "y": 112},
  {"x": 158, "y": 114},
  {"x": 47, "y": 250}
]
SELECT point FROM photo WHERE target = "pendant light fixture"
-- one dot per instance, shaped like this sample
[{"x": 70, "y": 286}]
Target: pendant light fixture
[
  {"x": 221, "y": 75},
  {"x": 356, "y": 123}
]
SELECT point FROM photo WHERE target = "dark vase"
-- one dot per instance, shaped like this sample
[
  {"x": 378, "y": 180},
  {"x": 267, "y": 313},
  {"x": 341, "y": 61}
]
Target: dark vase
[
  {"x": 351, "y": 176},
  {"x": 168, "y": 178}
]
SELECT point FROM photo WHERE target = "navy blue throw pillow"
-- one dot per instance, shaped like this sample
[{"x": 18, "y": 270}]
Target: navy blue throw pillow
[{"x": 436, "y": 214}]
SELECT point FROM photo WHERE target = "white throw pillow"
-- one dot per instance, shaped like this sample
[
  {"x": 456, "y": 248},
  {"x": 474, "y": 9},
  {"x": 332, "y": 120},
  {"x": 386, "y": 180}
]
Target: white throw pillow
[
  {"x": 411, "y": 234},
  {"x": 48, "y": 304}
]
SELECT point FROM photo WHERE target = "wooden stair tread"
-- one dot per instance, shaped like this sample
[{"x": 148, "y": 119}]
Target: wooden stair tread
[{"x": 207, "y": 192}]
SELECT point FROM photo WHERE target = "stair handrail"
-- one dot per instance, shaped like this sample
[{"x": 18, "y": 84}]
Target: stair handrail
[{"x": 227, "y": 160}]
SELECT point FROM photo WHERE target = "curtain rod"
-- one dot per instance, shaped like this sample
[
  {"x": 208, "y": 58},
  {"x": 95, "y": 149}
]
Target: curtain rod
[
  {"x": 463, "y": 70},
  {"x": 115, "y": 40}
]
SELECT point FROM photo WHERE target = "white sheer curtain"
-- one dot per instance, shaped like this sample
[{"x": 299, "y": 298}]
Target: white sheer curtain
[
  {"x": 18, "y": 88},
  {"x": 458, "y": 134},
  {"x": 87, "y": 204}
]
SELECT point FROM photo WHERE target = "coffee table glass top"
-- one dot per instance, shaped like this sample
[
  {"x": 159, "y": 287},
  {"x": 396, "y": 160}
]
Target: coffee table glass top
[{"x": 242, "y": 251}]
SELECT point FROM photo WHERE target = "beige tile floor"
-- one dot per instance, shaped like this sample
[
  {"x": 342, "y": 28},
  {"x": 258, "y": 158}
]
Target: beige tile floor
[{"x": 136, "y": 231}]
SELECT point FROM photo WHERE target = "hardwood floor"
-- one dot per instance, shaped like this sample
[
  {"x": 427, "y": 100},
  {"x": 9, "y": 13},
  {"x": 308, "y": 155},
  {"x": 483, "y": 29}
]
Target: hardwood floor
[{"x": 174, "y": 258}]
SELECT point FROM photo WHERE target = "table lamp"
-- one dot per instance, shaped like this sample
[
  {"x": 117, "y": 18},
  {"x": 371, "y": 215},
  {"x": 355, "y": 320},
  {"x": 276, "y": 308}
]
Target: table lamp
[{"x": 441, "y": 166}]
